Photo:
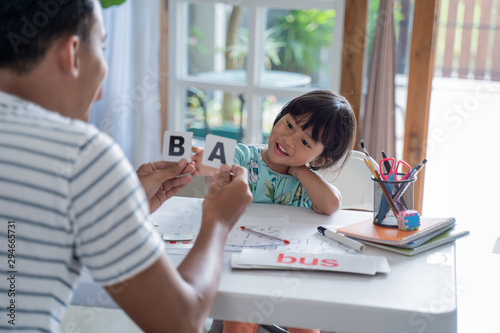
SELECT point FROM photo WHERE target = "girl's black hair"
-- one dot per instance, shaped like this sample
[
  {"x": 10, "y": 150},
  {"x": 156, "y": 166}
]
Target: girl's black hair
[
  {"x": 29, "y": 27},
  {"x": 332, "y": 120}
]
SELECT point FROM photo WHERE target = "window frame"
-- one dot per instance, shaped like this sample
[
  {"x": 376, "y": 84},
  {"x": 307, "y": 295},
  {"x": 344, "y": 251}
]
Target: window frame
[{"x": 179, "y": 80}]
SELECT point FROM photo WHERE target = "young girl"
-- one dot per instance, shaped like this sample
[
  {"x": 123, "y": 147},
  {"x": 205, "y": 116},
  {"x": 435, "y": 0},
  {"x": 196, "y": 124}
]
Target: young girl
[{"x": 313, "y": 131}]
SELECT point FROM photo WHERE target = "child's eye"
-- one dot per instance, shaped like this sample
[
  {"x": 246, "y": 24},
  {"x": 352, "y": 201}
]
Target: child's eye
[
  {"x": 290, "y": 126},
  {"x": 305, "y": 143}
]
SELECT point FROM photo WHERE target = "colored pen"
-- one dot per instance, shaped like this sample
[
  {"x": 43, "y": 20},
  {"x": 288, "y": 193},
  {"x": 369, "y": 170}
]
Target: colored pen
[
  {"x": 416, "y": 169},
  {"x": 360, "y": 247},
  {"x": 386, "y": 163},
  {"x": 388, "y": 167},
  {"x": 386, "y": 193},
  {"x": 264, "y": 235},
  {"x": 401, "y": 190},
  {"x": 412, "y": 174},
  {"x": 377, "y": 177}
]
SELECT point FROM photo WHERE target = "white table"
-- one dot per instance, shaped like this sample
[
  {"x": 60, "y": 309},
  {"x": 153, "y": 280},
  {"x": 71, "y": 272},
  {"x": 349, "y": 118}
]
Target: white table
[{"x": 418, "y": 295}]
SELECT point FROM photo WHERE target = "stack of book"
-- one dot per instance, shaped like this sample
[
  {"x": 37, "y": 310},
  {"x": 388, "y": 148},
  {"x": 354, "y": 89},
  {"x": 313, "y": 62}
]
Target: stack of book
[{"x": 433, "y": 232}]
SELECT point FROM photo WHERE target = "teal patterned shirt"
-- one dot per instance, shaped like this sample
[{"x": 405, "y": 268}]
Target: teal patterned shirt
[{"x": 268, "y": 186}]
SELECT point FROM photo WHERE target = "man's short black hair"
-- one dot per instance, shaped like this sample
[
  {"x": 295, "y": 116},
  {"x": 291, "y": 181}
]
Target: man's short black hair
[{"x": 29, "y": 27}]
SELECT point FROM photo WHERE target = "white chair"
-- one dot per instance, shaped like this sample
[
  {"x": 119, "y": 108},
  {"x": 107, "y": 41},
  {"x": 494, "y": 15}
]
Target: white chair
[{"x": 353, "y": 181}]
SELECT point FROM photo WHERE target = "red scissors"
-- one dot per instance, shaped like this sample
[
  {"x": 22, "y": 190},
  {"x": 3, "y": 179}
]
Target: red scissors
[{"x": 393, "y": 169}]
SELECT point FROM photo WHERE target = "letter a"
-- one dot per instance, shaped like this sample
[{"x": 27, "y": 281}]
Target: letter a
[
  {"x": 221, "y": 156},
  {"x": 218, "y": 150}
]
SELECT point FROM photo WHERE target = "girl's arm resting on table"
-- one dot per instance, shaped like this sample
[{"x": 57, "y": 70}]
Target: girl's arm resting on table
[{"x": 325, "y": 197}]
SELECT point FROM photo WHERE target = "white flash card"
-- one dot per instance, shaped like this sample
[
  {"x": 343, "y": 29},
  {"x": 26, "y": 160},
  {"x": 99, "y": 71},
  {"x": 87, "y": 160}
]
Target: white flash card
[
  {"x": 496, "y": 249},
  {"x": 218, "y": 151},
  {"x": 177, "y": 145},
  {"x": 177, "y": 236}
]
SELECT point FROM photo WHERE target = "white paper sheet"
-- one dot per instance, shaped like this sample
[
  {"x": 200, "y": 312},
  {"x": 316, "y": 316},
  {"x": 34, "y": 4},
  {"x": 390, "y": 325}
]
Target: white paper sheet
[
  {"x": 496, "y": 248},
  {"x": 351, "y": 263},
  {"x": 185, "y": 221}
]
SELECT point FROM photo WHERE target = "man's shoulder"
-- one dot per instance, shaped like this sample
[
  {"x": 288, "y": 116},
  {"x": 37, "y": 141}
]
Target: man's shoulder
[{"x": 32, "y": 119}]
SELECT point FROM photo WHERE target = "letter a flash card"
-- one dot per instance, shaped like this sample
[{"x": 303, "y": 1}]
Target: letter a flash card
[
  {"x": 177, "y": 145},
  {"x": 218, "y": 151}
]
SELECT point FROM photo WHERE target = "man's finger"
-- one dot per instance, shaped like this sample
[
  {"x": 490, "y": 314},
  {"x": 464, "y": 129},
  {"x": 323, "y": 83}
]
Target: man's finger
[
  {"x": 189, "y": 168},
  {"x": 169, "y": 170},
  {"x": 175, "y": 182},
  {"x": 159, "y": 165},
  {"x": 224, "y": 176},
  {"x": 237, "y": 171}
]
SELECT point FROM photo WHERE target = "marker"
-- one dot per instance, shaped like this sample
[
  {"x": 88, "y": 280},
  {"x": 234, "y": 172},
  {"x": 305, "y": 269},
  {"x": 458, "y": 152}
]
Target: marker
[
  {"x": 386, "y": 163},
  {"x": 411, "y": 175},
  {"x": 342, "y": 239},
  {"x": 264, "y": 235},
  {"x": 416, "y": 169}
]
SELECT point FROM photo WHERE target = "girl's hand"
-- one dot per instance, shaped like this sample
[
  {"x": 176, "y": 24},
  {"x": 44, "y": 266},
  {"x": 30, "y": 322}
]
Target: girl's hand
[
  {"x": 295, "y": 170},
  {"x": 200, "y": 169}
]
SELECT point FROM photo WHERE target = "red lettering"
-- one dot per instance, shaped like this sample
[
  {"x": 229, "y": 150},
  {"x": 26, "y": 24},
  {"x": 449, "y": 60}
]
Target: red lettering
[
  {"x": 329, "y": 263},
  {"x": 313, "y": 263},
  {"x": 282, "y": 257}
]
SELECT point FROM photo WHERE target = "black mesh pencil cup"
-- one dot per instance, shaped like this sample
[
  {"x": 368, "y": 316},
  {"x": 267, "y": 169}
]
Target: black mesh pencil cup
[{"x": 400, "y": 194}]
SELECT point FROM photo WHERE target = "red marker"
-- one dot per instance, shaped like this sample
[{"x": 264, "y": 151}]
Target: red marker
[{"x": 264, "y": 235}]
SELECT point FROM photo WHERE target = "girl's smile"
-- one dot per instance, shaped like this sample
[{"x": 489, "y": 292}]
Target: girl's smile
[
  {"x": 280, "y": 150},
  {"x": 290, "y": 145}
]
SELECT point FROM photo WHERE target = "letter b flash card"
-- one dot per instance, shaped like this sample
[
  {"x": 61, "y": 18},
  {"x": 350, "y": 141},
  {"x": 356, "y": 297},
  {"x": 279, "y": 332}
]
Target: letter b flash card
[
  {"x": 218, "y": 150},
  {"x": 177, "y": 145}
]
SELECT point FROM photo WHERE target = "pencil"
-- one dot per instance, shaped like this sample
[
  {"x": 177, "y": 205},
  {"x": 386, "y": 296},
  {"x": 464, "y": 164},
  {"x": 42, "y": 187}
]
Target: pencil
[
  {"x": 377, "y": 177},
  {"x": 264, "y": 235},
  {"x": 382, "y": 186}
]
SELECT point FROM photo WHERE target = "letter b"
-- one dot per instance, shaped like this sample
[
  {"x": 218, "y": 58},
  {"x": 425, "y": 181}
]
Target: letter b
[
  {"x": 175, "y": 148},
  {"x": 282, "y": 258}
]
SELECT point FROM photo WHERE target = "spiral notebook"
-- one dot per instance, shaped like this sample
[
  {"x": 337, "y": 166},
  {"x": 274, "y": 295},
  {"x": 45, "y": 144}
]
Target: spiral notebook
[
  {"x": 370, "y": 232},
  {"x": 443, "y": 238}
]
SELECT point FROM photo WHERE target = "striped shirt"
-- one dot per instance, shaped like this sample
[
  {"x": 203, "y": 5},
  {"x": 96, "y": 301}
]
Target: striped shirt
[{"x": 69, "y": 199}]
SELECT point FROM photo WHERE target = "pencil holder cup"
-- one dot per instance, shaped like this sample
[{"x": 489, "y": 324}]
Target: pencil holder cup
[{"x": 389, "y": 198}]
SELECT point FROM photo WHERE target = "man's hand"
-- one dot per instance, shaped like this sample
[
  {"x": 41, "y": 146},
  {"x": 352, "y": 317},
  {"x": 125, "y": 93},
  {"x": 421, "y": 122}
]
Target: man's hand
[
  {"x": 160, "y": 182},
  {"x": 228, "y": 197}
]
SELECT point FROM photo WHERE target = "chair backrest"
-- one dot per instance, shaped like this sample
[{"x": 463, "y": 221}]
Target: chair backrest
[{"x": 353, "y": 181}]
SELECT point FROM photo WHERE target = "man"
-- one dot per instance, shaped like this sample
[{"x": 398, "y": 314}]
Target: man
[{"x": 68, "y": 196}]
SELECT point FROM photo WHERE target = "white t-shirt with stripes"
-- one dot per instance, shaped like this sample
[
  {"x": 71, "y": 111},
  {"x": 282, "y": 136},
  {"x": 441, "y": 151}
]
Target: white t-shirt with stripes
[{"x": 68, "y": 198}]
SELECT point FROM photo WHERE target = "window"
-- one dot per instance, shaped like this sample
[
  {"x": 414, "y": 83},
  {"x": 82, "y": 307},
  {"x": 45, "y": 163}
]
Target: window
[{"x": 233, "y": 64}]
